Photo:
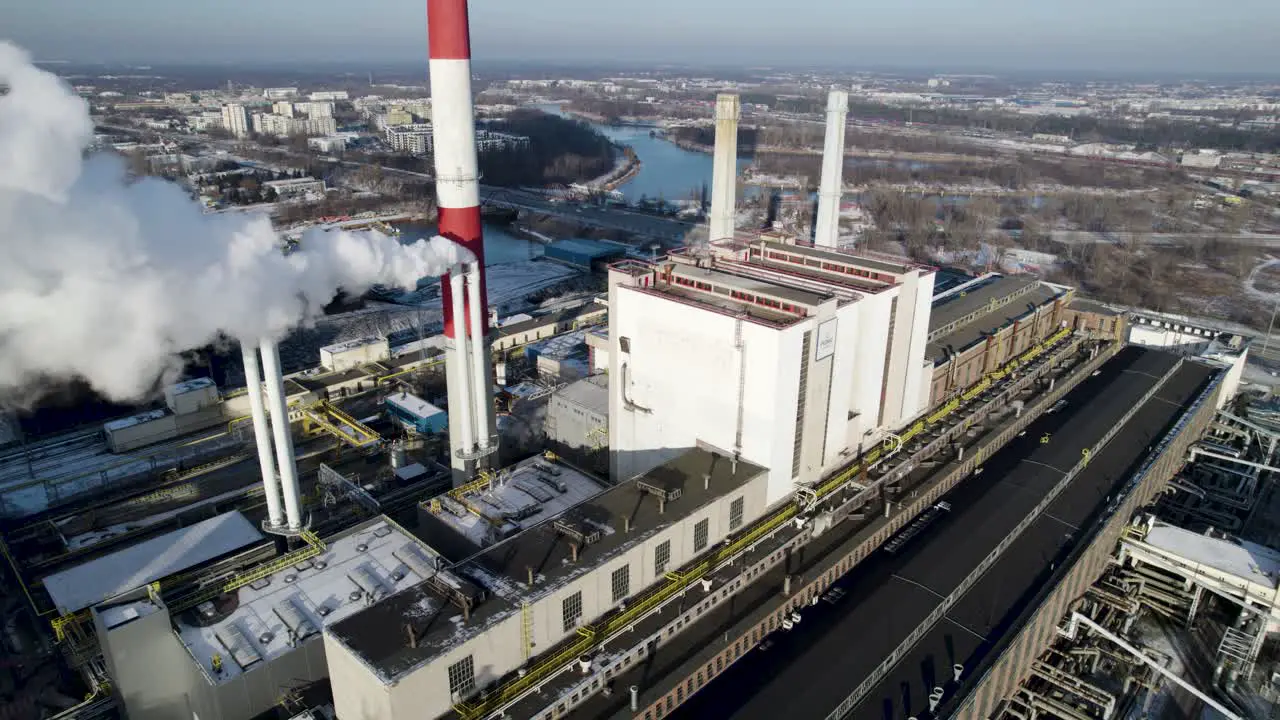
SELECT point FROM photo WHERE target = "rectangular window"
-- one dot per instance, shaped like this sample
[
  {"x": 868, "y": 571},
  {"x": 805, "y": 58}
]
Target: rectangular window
[
  {"x": 661, "y": 556},
  {"x": 735, "y": 514},
  {"x": 462, "y": 677},
  {"x": 701, "y": 531},
  {"x": 572, "y": 609},
  {"x": 621, "y": 582}
]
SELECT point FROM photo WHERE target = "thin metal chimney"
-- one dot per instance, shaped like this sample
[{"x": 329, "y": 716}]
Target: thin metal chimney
[
  {"x": 481, "y": 378},
  {"x": 279, "y": 411},
  {"x": 461, "y": 424},
  {"x": 262, "y": 434},
  {"x": 827, "y": 224},
  {"x": 724, "y": 182}
]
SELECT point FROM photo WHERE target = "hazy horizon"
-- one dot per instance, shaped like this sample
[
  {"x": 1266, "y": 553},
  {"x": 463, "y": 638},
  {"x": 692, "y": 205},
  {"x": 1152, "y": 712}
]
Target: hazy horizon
[{"x": 1173, "y": 37}]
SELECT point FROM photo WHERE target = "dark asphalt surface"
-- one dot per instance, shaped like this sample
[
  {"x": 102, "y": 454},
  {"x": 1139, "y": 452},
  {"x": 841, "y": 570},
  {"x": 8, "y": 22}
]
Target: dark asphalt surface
[{"x": 812, "y": 668}]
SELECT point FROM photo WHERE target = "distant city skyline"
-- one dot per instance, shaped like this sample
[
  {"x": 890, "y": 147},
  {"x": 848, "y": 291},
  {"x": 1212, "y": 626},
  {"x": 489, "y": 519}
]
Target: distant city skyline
[{"x": 1138, "y": 36}]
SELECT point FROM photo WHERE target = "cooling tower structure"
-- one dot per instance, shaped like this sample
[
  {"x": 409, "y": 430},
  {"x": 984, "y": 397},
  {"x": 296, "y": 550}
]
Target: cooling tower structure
[{"x": 472, "y": 423}]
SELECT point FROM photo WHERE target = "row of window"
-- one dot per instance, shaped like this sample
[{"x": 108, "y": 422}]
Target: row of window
[
  {"x": 462, "y": 673},
  {"x": 828, "y": 266}
]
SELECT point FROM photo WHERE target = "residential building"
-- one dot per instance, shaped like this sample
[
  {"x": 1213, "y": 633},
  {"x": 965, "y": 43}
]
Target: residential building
[{"x": 236, "y": 120}]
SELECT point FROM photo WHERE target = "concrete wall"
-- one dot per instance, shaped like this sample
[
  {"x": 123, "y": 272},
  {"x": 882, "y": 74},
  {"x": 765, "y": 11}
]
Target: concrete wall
[
  {"x": 157, "y": 678},
  {"x": 355, "y": 356},
  {"x": 573, "y": 425},
  {"x": 682, "y": 375},
  {"x": 424, "y": 693},
  {"x": 910, "y": 337},
  {"x": 162, "y": 429}
]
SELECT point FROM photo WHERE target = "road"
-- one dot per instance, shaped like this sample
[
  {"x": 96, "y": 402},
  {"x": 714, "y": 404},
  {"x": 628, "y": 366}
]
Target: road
[{"x": 1074, "y": 237}]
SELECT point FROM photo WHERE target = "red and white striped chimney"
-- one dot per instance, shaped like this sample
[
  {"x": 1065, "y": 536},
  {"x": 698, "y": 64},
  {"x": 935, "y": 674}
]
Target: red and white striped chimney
[{"x": 458, "y": 200}]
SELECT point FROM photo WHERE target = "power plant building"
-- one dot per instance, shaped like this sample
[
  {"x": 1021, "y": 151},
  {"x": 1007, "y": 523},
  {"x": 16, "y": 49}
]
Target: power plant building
[
  {"x": 418, "y": 653},
  {"x": 789, "y": 356}
]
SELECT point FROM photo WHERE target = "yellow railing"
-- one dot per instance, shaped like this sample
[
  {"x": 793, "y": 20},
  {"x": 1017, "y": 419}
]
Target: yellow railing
[
  {"x": 314, "y": 547},
  {"x": 324, "y": 414},
  {"x": 414, "y": 369},
  {"x": 677, "y": 581}
]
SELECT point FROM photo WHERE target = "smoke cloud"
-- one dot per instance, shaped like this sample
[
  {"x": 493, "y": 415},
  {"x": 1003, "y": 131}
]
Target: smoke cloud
[{"x": 108, "y": 280}]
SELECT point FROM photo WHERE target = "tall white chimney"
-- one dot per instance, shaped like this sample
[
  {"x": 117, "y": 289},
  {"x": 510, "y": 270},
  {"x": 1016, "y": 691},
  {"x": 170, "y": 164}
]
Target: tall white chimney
[
  {"x": 481, "y": 377},
  {"x": 724, "y": 182},
  {"x": 262, "y": 434},
  {"x": 461, "y": 403},
  {"x": 279, "y": 410},
  {"x": 827, "y": 225}
]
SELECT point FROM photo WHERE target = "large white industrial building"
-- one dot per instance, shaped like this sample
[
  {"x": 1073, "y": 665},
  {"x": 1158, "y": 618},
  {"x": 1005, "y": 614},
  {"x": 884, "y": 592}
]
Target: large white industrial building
[{"x": 789, "y": 356}]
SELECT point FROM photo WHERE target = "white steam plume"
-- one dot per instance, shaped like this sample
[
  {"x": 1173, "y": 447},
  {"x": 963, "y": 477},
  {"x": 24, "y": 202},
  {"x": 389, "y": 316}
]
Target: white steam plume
[{"x": 108, "y": 280}]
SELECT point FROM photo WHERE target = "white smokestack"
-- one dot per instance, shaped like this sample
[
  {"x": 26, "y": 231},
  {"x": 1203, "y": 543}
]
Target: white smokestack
[
  {"x": 460, "y": 419},
  {"x": 827, "y": 226},
  {"x": 285, "y": 459},
  {"x": 262, "y": 434},
  {"x": 109, "y": 280},
  {"x": 724, "y": 182},
  {"x": 481, "y": 384}
]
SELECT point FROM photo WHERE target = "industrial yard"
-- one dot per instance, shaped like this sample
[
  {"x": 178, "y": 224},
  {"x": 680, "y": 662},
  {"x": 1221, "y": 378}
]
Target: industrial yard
[{"x": 754, "y": 464}]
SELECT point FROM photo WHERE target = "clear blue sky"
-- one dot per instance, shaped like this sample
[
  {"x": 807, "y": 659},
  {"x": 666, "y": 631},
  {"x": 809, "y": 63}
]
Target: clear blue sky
[{"x": 1180, "y": 36}]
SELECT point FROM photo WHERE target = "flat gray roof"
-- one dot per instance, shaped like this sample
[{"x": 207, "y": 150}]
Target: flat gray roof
[
  {"x": 955, "y": 307},
  {"x": 850, "y": 258},
  {"x": 591, "y": 393},
  {"x": 728, "y": 278},
  {"x": 377, "y": 634},
  {"x": 970, "y": 333},
  {"x": 92, "y": 582},
  {"x": 1098, "y": 308}
]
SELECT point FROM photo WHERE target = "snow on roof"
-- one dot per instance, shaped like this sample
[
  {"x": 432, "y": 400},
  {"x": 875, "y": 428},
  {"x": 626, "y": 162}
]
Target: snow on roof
[
  {"x": 352, "y": 344},
  {"x": 413, "y": 405},
  {"x": 513, "y": 319},
  {"x": 1245, "y": 560},
  {"x": 191, "y": 385},
  {"x": 132, "y": 420},
  {"x": 529, "y": 486},
  {"x": 306, "y": 597},
  {"x": 92, "y": 582}
]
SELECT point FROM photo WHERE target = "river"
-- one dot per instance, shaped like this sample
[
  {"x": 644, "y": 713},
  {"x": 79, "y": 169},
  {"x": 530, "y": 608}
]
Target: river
[{"x": 667, "y": 172}]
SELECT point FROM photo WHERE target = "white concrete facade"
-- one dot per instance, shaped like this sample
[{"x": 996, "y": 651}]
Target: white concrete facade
[{"x": 686, "y": 373}]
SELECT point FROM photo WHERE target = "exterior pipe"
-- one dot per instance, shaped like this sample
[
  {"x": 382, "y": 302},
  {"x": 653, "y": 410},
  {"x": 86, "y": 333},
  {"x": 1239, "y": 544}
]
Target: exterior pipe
[
  {"x": 480, "y": 382},
  {"x": 280, "y": 429},
  {"x": 461, "y": 419},
  {"x": 262, "y": 434},
  {"x": 827, "y": 225}
]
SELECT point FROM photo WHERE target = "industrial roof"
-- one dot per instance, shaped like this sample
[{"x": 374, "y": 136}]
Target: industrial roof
[
  {"x": 956, "y": 306},
  {"x": 888, "y": 596},
  {"x": 1248, "y": 561},
  {"x": 375, "y": 558},
  {"x": 591, "y": 393},
  {"x": 353, "y": 344},
  {"x": 1097, "y": 308},
  {"x": 559, "y": 316},
  {"x": 187, "y": 386},
  {"x": 897, "y": 268},
  {"x": 413, "y": 405},
  {"x": 377, "y": 634},
  {"x": 982, "y": 326},
  {"x": 519, "y": 490},
  {"x": 725, "y": 277},
  {"x": 105, "y": 577}
]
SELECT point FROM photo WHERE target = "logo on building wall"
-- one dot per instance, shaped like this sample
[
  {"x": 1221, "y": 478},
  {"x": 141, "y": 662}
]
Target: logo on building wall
[{"x": 826, "y": 340}]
